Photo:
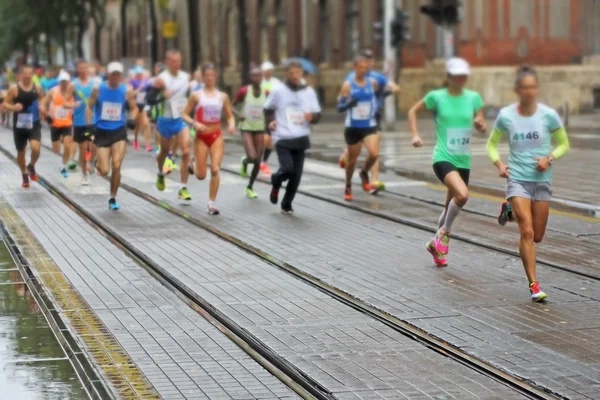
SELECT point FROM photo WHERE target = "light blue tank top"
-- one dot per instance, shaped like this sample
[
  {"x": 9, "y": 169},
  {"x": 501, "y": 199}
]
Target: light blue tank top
[
  {"x": 362, "y": 115},
  {"x": 110, "y": 107},
  {"x": 82, "y": 94}
]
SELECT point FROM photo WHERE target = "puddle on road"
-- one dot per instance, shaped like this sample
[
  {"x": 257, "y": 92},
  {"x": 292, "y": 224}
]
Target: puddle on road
[{"x": 32, "y": 363}]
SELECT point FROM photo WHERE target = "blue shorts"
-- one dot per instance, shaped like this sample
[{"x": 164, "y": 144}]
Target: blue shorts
[{"x": 169, "y": 127}]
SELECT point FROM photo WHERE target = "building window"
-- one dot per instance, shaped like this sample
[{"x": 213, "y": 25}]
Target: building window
[
  {"x": 281, "y": 8},
  {"x": 323, "y": 41},
  {"x": 352, "y": 33}
]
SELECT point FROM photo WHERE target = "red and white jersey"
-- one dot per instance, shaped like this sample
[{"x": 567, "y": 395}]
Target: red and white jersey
[{"x": 209, "y": 108}]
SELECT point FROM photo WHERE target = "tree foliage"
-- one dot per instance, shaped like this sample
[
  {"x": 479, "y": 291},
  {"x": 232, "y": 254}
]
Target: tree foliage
[{"x": 60, "y": 21}]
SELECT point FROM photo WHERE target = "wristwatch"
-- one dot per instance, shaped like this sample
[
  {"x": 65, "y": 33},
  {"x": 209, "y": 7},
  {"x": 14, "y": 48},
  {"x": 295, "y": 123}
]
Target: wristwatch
[{"x": 551, "y": 159}]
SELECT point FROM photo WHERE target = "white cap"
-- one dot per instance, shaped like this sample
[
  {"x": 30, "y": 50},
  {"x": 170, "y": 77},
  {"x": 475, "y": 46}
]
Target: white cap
[
  {"x": 115, "y": 67},
  {"x": 267, "y": 66},
  {"x": 64, "y": 76},
  {"x": 457, "y": 66}
]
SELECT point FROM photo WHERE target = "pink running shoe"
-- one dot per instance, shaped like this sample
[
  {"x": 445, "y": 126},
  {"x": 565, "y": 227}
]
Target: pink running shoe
[
  {"x": 136, "y": 145},
  {"x": 442, "y": 241},
  {"x": 439, "y": 261},
  {"x": 149, "y": 148}
]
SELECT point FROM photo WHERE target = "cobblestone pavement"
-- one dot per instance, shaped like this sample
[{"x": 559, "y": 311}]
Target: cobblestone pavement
[{"x": 349, "y": 353}]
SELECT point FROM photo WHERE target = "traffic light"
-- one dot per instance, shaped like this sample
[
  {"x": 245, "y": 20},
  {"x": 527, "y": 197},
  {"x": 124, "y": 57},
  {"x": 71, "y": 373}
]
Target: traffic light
[
  {"x": 378, "y": 32},
  {"x": 443, "y": 12},
  {"x": 400, "y": 28}
]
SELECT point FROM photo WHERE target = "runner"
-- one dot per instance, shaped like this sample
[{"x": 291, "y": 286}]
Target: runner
[
  {"x": 385, "y": 88},
  {"x": 456, "y": 110},
  {"x": 357, "y": 98},
  {"x": 530, "y": 127},
  {"x": 269, "y": 83},
  {"x": 173, "y": 83},
  {"x": 140, "y": 85},
  {"x": 82, "y": 132},
  {"x": 59, "y": 104},
  {"x": 22, "y": 99},
  {"x": 207, "y": 105},
  {"x": 290, "y": 111},
  {"x": 108, "y": 102},
  {"x": 252, "y": 125}
]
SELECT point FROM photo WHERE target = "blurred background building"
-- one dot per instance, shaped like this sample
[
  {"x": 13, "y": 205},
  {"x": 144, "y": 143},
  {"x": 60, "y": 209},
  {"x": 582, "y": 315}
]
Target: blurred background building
[{"x": 560, "y": 37}]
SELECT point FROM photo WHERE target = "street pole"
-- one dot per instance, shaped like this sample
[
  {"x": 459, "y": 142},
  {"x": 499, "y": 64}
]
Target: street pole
[
  {"x": 389, "y": 55},
  {"x": 448, "y": 41}
]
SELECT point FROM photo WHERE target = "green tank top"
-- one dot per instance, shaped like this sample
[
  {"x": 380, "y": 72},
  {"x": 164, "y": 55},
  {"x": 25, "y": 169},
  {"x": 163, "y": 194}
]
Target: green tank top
[{"x": 253, "y": 110}]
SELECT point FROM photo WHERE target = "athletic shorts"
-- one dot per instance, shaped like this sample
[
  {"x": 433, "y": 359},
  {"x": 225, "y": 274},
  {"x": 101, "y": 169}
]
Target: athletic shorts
[
  {"x": 443, "y": 168},
  {"x": 141, "y": 107},
  {"x": 209, "y": 138},
  {"x": 57, "y": 133},
  {"x": 356, "y": 135},
  {"x": 82, "y": 134},
  {"x": 106, "y": 138},
  {"x": 22, "y": 136},
  {"x": 253, "y": 132},
  {"x": 169, "y": 127},
  {"x": 534, "y": 191}
]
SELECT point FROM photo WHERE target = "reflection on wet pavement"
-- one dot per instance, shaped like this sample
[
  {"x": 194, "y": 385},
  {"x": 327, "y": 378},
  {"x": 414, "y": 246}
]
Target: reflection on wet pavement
[{"x": 32, "y": 363}]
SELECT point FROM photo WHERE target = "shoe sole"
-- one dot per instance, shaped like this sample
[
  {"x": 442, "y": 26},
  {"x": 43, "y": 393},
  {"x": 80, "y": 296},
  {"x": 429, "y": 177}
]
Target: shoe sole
[{"x": 540, "y": 299}]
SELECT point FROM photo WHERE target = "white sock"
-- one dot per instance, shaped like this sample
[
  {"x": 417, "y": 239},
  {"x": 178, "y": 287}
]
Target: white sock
[
  {"x": 451, "y": 214},
  {"x": 182, "y": 186},
  {"x": 442, "y": 219},
  {"x": 63, "y": 167}
]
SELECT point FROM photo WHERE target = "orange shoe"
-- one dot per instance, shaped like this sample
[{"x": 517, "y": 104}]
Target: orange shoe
[
  {"x": 32, "y": 174},
  {"x": 366, "y": 184},
  {"x": 25, "y": 183},
  {"x": 264, "y": 168},
  {"x": 348, "y": 194}
]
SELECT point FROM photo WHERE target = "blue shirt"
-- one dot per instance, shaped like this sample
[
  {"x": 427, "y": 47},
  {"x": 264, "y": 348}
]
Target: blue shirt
[
  {"x": 528, "y": 138},
  {"x": 82, "y": 94},
  {"x": 110, "y": 107},
  {"x": 362, "y": 115},
  {"x": 48, "y": 84},
  {"x": 381, "y": 80}
]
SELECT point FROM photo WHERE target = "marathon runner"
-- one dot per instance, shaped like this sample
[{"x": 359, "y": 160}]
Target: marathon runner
[
  {"x": 385, "y": 87},
  {"x": 252, "y": 125},
  {"x": 357, "y": 98},
  {"x": 208, "y": 105},
  {"x": 530, "y": 127},
  {"x": 58, "y": 105},
  {"x": 456, "y": 110},
  {"x": 290, "y": 110},
  {"x": 108, "y": 101},
  {"x": 23, "y": 99},
  {"x": 170, "y": 88},
  {"x": 82, "y": 132},
  {"x": 140, "y": 85},
  {"x": 269, "y": 83}
]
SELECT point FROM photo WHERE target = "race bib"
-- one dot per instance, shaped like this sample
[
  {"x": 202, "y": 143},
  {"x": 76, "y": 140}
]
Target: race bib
[
  {"x": 140, "y": 98},
  {"x": 459, "y": 141},
  {"x": 61, "y": 113},
  {"x": 211, "y": 113},
  {"x": 362, "y": 111},
  {"x": 25, "y": 121},
  {"x": 111, "y": 111},
  {"x": 253, "y": 113},
  {"x": 178, "y": 106},
  {"x": 295, "y": 118},
  {"x": 526, "y": 137}
]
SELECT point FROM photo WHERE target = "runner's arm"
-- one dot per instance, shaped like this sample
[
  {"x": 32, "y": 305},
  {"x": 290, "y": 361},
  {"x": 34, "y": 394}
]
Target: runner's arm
[
  {"x": 492, "y": 145},
  {"x": 412, "y": 117},
  {"x": 71, "y": 92},
  {"x": 189, "y": 109},
  {"x": 9, "y": 99},
  {"x": 89, "y": 111},
  {"x": 393, "y": 87},
  {"x": 240, "y": 96},
  {"x": 155, "y": 95},
  {"x": 345, "y": 101},
  {"x": 45, "y": 102},
  {"x": 228, "y": 110},
  {"x": 130, "y": 99},
  {"x": 562, "y": 141}
]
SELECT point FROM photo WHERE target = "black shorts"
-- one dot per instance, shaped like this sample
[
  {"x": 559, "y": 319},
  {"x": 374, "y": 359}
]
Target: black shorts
[
  {"x": 355, "y": 135},
  {"x": 106, "y": 138},
  {"x": 82, "y": 134},
  {"x": 378, "y": 116},
  {"x": 57, "y": 133},
  {"x": 443, "y": 168},
  {"x": 141, "y": 107},
  {"x": 22, "y": 136},
  {"x": 253, "y": 132}
]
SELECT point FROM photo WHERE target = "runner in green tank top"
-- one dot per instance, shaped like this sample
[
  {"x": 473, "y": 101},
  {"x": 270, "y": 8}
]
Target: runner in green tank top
[
  {"x": 252, "y": 124},
  {"x": 456, "y": 110}
]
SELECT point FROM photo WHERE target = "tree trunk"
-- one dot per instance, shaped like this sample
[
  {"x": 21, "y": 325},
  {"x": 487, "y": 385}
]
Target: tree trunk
[
  {"x": 194, "y": 33},
  {"x": 49, "y": 50},
  {"x": 81, "y": 28},
  {"x": 153, "y": 32},
  {"x": 243, "y": 43},
  {"x": 124, "y": 28}
]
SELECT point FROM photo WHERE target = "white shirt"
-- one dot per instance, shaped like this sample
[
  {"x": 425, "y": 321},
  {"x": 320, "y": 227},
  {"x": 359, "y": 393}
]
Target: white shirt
[
  {"x": 289, "y": 107},
  {"x": 179, "y": 86}
]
